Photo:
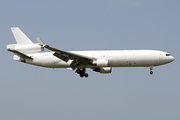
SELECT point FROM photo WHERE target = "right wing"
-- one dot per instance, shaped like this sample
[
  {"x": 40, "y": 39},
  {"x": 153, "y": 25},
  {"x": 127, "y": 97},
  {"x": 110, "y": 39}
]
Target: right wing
[{"x": 66, "y": 55}]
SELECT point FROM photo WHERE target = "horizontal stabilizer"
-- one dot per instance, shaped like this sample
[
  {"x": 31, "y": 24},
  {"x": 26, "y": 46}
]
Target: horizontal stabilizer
[{"x": 21, "y": 55}]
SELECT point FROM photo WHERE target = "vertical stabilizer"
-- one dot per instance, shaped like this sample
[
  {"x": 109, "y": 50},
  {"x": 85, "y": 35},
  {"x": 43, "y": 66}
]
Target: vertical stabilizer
[{"x": 20, "y": 37}]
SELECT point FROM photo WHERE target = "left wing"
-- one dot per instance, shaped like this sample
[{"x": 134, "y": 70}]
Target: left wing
[
  {"x": 21, "y": 55},
  {"x": 66, "y": 55}
]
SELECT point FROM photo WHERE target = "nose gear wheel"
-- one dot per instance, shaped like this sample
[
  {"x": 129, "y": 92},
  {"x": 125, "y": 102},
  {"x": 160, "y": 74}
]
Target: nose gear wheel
[{"x": 151, "y": 68}]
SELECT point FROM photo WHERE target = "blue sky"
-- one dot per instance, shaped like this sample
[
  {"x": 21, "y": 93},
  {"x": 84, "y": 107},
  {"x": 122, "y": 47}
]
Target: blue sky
[{"x": 29, "y": 92}]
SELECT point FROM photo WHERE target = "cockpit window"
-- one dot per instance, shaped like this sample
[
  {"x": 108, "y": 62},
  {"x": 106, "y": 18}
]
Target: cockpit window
[{"x": 168, "y": 54}]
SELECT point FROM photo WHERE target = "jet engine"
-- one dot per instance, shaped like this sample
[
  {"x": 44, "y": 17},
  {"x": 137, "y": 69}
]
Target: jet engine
[
  {"x": 30, "y": 48},
  {"x": 103, "y": 69},
  {"x": 101, "y": 62}
]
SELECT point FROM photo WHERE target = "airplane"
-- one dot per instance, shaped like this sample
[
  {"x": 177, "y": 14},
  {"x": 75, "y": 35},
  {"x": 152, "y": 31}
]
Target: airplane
[{"x": 100, "y": 61}]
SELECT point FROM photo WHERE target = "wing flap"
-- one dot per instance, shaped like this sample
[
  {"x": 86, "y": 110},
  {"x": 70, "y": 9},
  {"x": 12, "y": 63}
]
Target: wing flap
[{"x": 62, "y": 56}]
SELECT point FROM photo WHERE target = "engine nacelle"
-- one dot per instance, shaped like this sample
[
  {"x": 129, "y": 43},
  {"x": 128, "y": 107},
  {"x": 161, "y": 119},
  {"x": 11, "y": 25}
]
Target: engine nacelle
[
  {"x": 101, "y": 62},
  {"x": 103, "y": 70},
  {"x": 30, "y": 48}
]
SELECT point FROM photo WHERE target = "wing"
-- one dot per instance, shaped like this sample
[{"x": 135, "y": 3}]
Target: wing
[
  {"x": 66, "y": 55},
  {"x": 21, "y": 55}
]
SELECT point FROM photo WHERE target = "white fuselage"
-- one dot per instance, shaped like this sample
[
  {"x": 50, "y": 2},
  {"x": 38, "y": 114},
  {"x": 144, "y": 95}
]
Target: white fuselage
[
  {"x": 100, "y": 61},
  {"x": 116, "y": 58}
]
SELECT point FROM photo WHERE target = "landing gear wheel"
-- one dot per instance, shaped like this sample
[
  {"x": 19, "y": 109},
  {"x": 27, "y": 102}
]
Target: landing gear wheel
[
  {"x": 151, "y": 68},
  {"x": 86, "y": 75},
  {"x": 82, "y": 72},
  {"x": 81, "y": 75}
]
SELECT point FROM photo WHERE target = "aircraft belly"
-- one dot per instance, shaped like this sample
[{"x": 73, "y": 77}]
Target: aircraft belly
[{"x": 44, "y": 60}]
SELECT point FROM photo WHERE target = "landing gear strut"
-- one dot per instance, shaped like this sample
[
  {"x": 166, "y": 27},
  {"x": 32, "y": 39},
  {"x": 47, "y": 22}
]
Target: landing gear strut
[
  {"x": 151, "y": 68},
  {"x": 82, "y": 72}
]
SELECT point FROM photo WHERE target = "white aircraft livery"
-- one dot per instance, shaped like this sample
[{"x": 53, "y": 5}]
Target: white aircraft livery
[{"x": 99, "y": 61}]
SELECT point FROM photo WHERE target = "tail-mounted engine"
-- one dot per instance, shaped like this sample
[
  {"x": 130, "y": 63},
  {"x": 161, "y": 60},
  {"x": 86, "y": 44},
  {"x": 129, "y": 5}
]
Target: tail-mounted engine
[{"x": 29, "y": 48}]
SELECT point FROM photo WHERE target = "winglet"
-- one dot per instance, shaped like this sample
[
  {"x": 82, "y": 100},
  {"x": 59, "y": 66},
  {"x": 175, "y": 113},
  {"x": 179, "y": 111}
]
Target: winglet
[{"x": 40, "y": 41}]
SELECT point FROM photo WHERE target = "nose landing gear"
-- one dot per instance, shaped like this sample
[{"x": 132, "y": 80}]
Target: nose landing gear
[{"x": 151, "y": 68}]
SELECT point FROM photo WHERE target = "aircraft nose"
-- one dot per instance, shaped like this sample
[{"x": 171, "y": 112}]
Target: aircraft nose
[{"x": 171, "y": 58}]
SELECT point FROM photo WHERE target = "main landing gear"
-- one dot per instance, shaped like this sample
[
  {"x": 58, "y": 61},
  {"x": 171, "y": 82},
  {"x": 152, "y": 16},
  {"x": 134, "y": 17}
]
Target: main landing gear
[
  {"x": 82, "y": 72},
  {"x": 151, "y": 68}
]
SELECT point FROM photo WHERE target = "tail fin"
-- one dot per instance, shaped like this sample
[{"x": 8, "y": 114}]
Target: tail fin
[{"x": 20, "y": 37}]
